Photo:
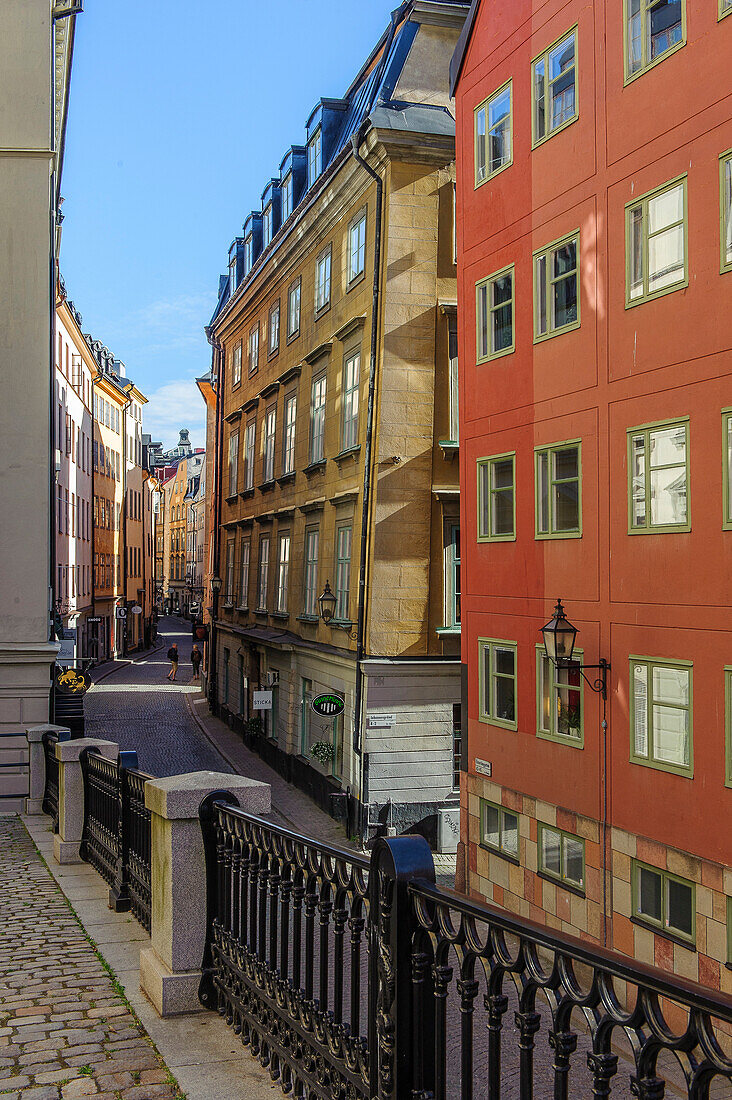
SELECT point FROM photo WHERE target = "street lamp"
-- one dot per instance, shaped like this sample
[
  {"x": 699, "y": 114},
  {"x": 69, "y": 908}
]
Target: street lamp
[
  {"x": 216, "y": 584},
  {"x": 327, "y": 604},
  {"x": 559, "y": 638}
]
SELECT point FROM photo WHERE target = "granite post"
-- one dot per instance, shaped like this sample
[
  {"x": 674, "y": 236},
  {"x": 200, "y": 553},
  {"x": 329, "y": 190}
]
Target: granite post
[
  {"x": 71, "y": 794},
  {"x": 37, "y": 764}
]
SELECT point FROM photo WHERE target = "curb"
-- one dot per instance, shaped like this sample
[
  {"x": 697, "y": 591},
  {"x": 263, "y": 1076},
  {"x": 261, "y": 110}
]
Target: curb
[{"x": 222, "y": 752}]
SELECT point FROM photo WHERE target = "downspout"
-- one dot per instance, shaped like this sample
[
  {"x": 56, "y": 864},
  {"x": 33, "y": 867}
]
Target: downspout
[{"x": 366, "y": 505}]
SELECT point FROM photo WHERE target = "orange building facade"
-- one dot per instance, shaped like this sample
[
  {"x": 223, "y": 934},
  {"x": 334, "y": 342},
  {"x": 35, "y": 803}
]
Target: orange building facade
[{"x": 595, "y": 284}]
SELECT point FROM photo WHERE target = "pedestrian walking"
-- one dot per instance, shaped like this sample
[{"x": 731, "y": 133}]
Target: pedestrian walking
[
  {"x": 196, "y": 661},
  {"x": 173, "y": 658}
]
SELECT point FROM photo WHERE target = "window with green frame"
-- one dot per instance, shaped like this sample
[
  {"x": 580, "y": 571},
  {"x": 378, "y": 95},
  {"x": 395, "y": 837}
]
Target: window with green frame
[
  {"x": 558, "y": 474},
  {"x": 725, "y": 203},
  {"x": 663, "y": 901},
  {"x": 653, "y": 29},
  {"x": 561, "y": 856},
  {"x": 658, "y": 477},
  {"x": 559, "y": 701},
  {"x": 554, "y": 84},
  {"x": 727, "y": 468},
  {"x": 497, "y": 498},
  {"x": 497, "y": 680},
  {"x": 493, "y": 136},
  {"x": 661, "y": 714},
  {"x": 729, "y": 921},
  {"x": 655, "y": 243},
  {"x": 725, "y": 7},
  {"x": 494, "y": 315},
  {"x": 556, "y": 288},
  {"x": 499, "y": 829},
  {"x": 728, "y": 726}
]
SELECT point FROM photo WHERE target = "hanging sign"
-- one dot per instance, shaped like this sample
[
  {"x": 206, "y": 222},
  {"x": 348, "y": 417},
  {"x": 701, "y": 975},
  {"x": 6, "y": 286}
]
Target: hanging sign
[
  {"x": 136, "y": 610},
  {"x": 120, "y": 612},
  {"x": 72, "y": 681},
  {"x": 328, "y": 705},
  {"x": 262, "y": 700}
]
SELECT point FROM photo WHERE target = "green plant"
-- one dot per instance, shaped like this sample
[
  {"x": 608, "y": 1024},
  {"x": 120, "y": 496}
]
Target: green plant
[
  {"x": 254, "y": 727},
  {"x": 322, "y": 751}
]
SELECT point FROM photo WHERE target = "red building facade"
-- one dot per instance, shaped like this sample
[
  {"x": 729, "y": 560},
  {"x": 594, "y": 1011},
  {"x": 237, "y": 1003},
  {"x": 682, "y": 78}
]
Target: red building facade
[{"x": 595, "y": 286}]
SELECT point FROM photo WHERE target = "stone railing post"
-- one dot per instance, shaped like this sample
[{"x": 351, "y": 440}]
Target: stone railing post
[
  {"x": 71, "y": 794},
  {"x": 37, "y": 764},
  {"x": 170, "y": 969}
]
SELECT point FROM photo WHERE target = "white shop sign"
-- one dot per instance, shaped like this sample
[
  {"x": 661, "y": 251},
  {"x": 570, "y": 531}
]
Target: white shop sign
[
  {"x": 67, "y": 652},
  {"x": 262, "y": 700},
  {"x": 483, "y": 767},
  {"x": 380, "y": 721}
]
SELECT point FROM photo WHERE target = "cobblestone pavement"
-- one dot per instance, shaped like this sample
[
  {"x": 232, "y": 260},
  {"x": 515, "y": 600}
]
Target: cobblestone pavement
[
  {"x": 136, "y": 706},
  {"x": 65, "y": 1032}
]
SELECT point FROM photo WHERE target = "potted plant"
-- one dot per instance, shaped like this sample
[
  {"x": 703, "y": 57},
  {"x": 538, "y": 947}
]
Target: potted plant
[{"x": 322, "y": 751}]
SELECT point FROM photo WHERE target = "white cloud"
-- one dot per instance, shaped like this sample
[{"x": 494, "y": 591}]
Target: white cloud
[{"x": 175, "y": 405}]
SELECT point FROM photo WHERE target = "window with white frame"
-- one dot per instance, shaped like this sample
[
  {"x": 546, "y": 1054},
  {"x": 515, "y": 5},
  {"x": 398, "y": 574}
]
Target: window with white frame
[
  {"x": 283, "y": 573},
  {"x": 312, "y": 539},
  {"x": 245, "y": 550},
  {"x": 554, "y": 80},
  {"x": 656, "y": 242},
  {"x": 270, "y": 427},
  {"x": 248, "y": 253},
  {"x": 233, "y": 462},
  {"x": 452, "y": 369},
  {"x": 660, "y": 714},
  {"x": 293, "y": 309},
  {"x": 250, "y": 436},
  {"x": 322, "y": 280},
  {"x": 452, "y": 575},
  {"x": 351, "y": 393},
  {"x": 254, "y": 348},
  {"x": 232, "y": 277},
  {"x": 343, "y": 572},
  {"x": 229, "y": 573},
  {"x": 274, "y": 328},
  {"x": 288, "y": 449},
  {"x": 287, "y": 196},
  {"x": 357, "y": 247},
  {"x": 263, "y": 577},
  {"x": 236, "y": 365},
  {"x": 317, "y": 420},
  {"x": 267, "y": 225},
  {"x": 314, "y": 157}
]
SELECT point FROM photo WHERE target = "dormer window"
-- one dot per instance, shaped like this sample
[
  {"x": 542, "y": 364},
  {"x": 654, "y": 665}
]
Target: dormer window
[
  {"x": 287, "y": 196},
  {"x": 248, "y": 254},
  {"x": 267, "y": 225},
  {"x": 232, "y": 277},
  {"x": 314, "y": 157}
]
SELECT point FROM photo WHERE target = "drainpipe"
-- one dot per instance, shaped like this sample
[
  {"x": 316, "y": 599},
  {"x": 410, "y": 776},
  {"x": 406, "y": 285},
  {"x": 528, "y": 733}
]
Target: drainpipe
[{"x": 366, "y": 506}]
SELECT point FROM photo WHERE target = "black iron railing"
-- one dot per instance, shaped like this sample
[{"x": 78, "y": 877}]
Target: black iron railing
[
  {"x": 50, "y": 789},
  {"x": 116, "y": 833},
  {"x": 452, "y": 999}
]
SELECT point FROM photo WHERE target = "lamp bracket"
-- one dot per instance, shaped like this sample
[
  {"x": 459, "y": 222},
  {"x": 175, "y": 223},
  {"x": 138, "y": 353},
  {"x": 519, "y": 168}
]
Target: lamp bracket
[{"x": 598, "y": 685}]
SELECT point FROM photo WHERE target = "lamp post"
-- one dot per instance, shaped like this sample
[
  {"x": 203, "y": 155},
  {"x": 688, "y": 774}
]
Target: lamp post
[
  {"x": 559, "y": 638},
  {"x": 216, "y": 583},
  {"x": 327, "y": 605}
]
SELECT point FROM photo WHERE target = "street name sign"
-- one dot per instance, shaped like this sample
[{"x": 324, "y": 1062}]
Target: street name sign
[
  {"x": 381, "y": 721},
  {"x": 328, "y": 705},
  {"x": 483, "y": 767}
]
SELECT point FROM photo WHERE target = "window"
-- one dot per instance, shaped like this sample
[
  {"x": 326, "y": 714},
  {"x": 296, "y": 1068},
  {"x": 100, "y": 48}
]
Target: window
[
  {"x": 267, "y": 225},
  {"x": 274, "y": 328},
  {"x": 725, "y": 201},
  {"x": 233, "y": 462},
  {"x": 554, "y": 82},
  {"x": 343, "y": 573},
  {"x": 254, "y": 349},
  {"x": 229, "y": 576},
  {"x": 314, "y": 157},
  {"x": 494, "y": 315},
  {"x": 283, "y": 573},
  {"x": 236, "y": 366},
  {"x": 351, "y": 380},
  {"x": 287, "y": 196},
  {"x": 311, "y": 571},
  {"x": 457, "y": 745},
  {"x": 499, "y": 829},
  {"x": 270, "y": 426},
  {"x": 322, "y": 280},
  {"x": 263, "y": 573},
  {"x": 725, "y": 7},
  {"x": 232, "y": 277},
  {"x": 663, "y": 901},
  {"x": 558, "y": 495},
  {"x": 652, "y": 29},
  {"x": 556, "y": 295},
  {"x": 562, "y": 856},
  {"x": 293, "y": 309},
  {"x": 317, "y": 420},
  {"x": 453, "y": 378},
  {"x": 288, "y": 450},
  {"x": 655, "y": 243},
  {"x": 248, "y": 253},
  {"x": 493, "y": 146},
  {"x": 249, "y": 444},
  {"x": 452, "y": 576},
  {"x": 658, "y": 478},
  {"x": 728, "y": 725},
  {"x": 357, "y": 247},
  {"x": 559, "y": 703},
  {"x": 660, "y": 714},
  {"x": 497, "y": 682},
  {"x": 497, "y": 498},
  {"x": 727, "y": 468},
  {"x": 244, "y": 573}
]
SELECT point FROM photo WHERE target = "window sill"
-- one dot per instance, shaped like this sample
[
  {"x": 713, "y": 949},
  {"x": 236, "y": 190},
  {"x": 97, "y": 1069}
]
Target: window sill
[
  {"x": 314, "y": 467},
  {"x": 243, "y": 608},
  {"x": 266, "y": 486},
  {"x": 502, "y": 855},
  {"x": 568, "y": 886},
  {"x": 668, "y": 529},
  {"x": 312, "y": 619},
  {"x": 349, "y": 452},
  {"x": 541, "y": 337},
  {"x": 671, "y": 769},
  {"x": 229, "y": 606},
  {"x": 558, "y": 535},
  {"x": 292, "y": 336},
  {"x": 631, "y": 303},
  {"x": 285, "y": 478},
  {"x": 261, "y": 611},
  {"x": 322, "y": 311},
  {"x": 246, "y": 493},
  {"x": 454, "y": 630},
  {"x": 281, "y": 615},
  {"x": 690, "y": 945},
  {"x": 356, "y": 280},
  {"x": 562, "y": 739},
  {"x": 500, "y": 723},
  {"x": 273, "y": 354},
  {"x": 553, "y": 133},
  {"x": 641, "y": 72},
  {"x": 449, "y": 448},
  {"x": 231, "y": 498}
]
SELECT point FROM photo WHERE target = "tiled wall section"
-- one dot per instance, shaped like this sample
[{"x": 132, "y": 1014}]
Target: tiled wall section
[{"x": 522, "y": 890}]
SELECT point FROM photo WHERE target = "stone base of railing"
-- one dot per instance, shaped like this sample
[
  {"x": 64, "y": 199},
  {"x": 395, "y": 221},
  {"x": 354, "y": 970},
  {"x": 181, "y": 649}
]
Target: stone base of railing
[
  {"x": 71, "y": 795},
  {"x": 37, "y": 765}
]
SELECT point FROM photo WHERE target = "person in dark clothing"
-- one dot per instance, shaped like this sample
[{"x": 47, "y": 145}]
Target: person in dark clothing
[
  {"x": 196, "y": 662},
  {"x": 173, "y": 658}
]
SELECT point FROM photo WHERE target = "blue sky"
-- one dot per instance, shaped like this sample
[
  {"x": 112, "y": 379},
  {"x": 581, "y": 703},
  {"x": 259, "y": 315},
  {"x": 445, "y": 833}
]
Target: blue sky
[{"x": 179, "y": 114}]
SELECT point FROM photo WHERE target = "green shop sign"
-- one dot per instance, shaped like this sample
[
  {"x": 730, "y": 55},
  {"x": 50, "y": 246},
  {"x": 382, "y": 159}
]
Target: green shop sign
[{"x": 328, "y": 706}]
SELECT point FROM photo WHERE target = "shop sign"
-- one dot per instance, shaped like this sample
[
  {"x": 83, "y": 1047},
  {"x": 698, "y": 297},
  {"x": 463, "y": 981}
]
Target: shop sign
[
  {"x": 328, "y": 705},
  {"x": 262, "y": 700},
  {"x": 67, "y": 652},
  {"x": 120, "y": 612},
  {"x": 72, "y": 681},
  {"x": 136, "y": 610}
]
